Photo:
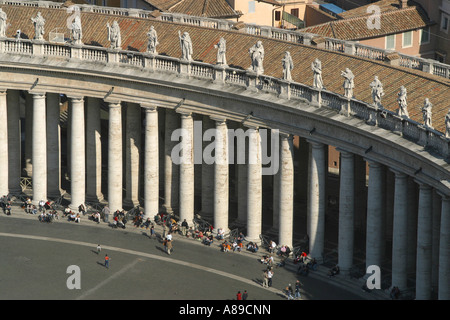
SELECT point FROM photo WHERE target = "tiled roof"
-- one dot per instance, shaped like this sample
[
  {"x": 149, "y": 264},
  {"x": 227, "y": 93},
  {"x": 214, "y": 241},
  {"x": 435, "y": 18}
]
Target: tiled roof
[
  {"x": 353, "y": 26},
  {"x": 383, "y": 5},
  {"x": 133, "y": 32},
  {"x": 200, "y": 8}
]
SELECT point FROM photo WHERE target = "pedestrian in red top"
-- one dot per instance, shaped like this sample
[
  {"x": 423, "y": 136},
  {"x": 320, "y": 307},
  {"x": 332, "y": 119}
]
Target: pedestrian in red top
[{"x": 239, "y": 296}]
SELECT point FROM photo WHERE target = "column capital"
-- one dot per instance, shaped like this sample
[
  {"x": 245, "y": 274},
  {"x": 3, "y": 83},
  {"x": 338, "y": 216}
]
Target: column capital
[
  {"x": 148, "y": 107},
  {"x": 444, "y": 197},
  {"x": 37, "y": 94},
  {"x": 345, "y": 153},
  {"x": 315, "y": 144},
  {"x": 219, "y": 120},
  {"x": 399, "y": 174},
  {"x": 422, "y": 185},
  {"x": 286, "y": 135},
  {"x": 184, "y": 113},
  {"x": 76, "y": 98},
  {"x": 112, "y": 103}
]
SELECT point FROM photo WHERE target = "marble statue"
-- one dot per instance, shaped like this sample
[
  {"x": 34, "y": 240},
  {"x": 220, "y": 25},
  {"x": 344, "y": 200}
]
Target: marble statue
[
  {"x": 39, "y": 23},
  {"x": 349, "y": 83},
  {"x": 257, "y": 56},
  {"x": 221, "y": 47},
  {"x": 152, "y": 38},
  {"x": 186, "y": 46},
  {"x": 114, "y": 35},
  {"x": 377, "y": 91},
  {"x": 288, "y": 65},
  {"x": 426, "y": 112},
  {"x": 316, "y": 67},
  {"x": 3, "y": 18},
  {"x": 447, "y": 124},
  {"x": 402, "y": 104},
  {"x": 77, "y": 32}
]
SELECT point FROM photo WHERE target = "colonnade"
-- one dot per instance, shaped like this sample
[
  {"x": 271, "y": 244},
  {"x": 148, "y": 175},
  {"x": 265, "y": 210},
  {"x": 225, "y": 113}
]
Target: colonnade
[{"x": 125, "y": 150}]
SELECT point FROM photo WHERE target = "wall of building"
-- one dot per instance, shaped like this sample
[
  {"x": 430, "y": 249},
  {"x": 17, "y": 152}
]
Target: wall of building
[{"x": 417, "y": 48}]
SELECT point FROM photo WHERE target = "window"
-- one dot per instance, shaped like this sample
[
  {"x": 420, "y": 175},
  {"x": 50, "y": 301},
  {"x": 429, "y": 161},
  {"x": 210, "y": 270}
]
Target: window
[
  {"x": 425, "y": 35},
  {"x": 251, "y": 7},
  {"x": 277, "y": 15},
  {"x": 407, "y": 39},
  {"x": 390, "y": 42},
  {"x": 444, "y": 23},
  {"x": 294, "y": 12}
]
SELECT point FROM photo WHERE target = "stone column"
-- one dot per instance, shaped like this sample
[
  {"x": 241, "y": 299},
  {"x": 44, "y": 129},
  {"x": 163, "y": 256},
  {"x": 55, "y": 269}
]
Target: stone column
[
  {"x": 254, "y": 186},
  {"x": 221, "y": 176},
  {"x": 77, "y": 155},
  {"x": 133, "y": 149},
  {"x": 316, "y": 200},
  {"x": 14, "y": 141},
  {"x": 346, "y": 211},
  {"x": 115, "y": 170},
  {"x": 187, "y": 168},
  {"x": 241, "y": 151},
  {"x": 399, "y": 237},
  {"x": 436, "y": 225},
  {"x": 207, "y": 173},
  {"x": 444, "y": 250},
  {"x": 39, "y": 148},
  {"x": 375, "y": 235},
  {"x": 28, "y": 134},
  {"x": 171, "y": 170},
  {"x": 286, "y": 187},
  {"x": 424, "y": 240},
  {"x": 93, "y": 151},
  {"x": 4, "y": 188},
  {"x": 151, "y": 163},
  {"x": 53, "y": 146}
]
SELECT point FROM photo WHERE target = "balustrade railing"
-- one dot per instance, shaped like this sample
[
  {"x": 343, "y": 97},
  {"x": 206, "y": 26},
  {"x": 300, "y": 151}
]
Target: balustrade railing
[
  {"x": 357, "y": 49},
  {"x": 383, "y": 118}
]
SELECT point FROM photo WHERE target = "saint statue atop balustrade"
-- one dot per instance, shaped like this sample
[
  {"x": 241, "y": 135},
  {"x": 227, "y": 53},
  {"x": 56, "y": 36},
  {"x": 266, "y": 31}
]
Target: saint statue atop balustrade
[
  {"x": 316, "y": 67},
  {"x": 152, "y": 40},
  {"x": 257, "y": 56},
  {"x": 349, "y": 82},
  {"x": 447, "y": 124},
  {"x": 186, "y": 46},
  {"x": 221, "y": 47},
  {"x": 377, "y": 91},
  {"x": 3, "y": 18},
  {"x": 114, "y": 35},
  {"x": 288, "y": 65},
  {"x": 402, "y": 103},
  {"x": 39, "y": 23},
  {"x": 426, "y": 112},
  {"x": 77, "y": 32}
]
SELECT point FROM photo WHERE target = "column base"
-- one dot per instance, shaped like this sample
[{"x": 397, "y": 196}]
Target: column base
[
  {"x": 95, "y": 198},
  {"x": 131, "y": 203}
]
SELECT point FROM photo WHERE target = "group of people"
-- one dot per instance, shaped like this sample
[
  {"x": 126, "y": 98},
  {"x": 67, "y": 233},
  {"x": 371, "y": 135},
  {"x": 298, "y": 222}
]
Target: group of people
[{"x": 5, "y": 203}]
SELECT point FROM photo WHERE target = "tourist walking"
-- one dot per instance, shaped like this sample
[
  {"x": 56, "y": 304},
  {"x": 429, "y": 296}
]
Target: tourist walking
[
  {"x": 107, "y": 261},
  {"x": 297, "y": 290}
]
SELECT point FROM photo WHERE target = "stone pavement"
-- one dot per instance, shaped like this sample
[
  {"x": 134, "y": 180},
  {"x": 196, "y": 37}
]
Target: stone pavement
[{"x": 340, "y": 281}]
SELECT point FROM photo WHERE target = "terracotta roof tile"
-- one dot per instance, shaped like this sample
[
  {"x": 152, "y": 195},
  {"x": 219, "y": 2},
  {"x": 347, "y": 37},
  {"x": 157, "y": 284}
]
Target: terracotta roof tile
[
  {"x": 354, "y": 26},
  {"x": 133, "y": 31},
  {"x": 200, "y": 8}
]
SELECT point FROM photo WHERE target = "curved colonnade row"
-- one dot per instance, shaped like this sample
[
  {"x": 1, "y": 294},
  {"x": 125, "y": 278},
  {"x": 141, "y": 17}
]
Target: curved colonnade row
[{"x": 224, "y": 106}]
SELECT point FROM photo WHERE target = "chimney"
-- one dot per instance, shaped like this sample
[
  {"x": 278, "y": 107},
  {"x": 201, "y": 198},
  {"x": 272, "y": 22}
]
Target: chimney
[{"x": 403, "y": 4}]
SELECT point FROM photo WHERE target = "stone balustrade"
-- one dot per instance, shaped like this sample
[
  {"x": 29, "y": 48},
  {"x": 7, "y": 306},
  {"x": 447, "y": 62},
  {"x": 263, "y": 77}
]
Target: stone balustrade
[
  {"x": 427, "y": 137},
  {"x": 350, "y": 47}
]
